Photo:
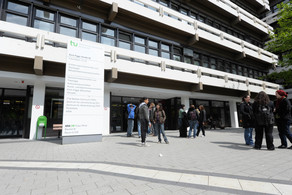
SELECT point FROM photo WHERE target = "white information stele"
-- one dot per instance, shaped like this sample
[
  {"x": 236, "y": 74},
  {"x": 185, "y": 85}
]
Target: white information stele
[{"x": 84, "y": 89}]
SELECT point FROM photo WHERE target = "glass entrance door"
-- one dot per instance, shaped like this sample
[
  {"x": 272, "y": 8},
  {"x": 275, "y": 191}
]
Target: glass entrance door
[{"x": 12, "y": 112}]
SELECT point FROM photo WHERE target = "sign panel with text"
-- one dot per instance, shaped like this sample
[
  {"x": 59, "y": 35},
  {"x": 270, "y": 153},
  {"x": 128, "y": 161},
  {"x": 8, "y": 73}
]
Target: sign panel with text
[{"x": 84, "y": 89}]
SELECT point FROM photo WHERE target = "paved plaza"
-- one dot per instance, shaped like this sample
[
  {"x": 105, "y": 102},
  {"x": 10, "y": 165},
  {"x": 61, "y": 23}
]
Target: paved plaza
[{"x": 219, "y": 163}]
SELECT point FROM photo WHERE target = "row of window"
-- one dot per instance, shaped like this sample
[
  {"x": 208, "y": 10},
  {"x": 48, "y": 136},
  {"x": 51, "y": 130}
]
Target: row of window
[
  {"x": 76, "y": 27},
  {"x": 209, "y": 21}
]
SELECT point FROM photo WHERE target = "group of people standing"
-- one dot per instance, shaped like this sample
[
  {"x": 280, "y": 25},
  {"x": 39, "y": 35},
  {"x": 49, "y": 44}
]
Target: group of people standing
[
  {"x": 195, "y": 118},
  {"x": 262, "y": 115},
  {"x": 151, "y": 120}
]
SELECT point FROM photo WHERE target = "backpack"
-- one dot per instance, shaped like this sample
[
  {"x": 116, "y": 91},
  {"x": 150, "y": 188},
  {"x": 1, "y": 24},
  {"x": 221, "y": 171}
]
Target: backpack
[
  {"x": 193, "y": 115},
  {"x": 265, "y": 115}
]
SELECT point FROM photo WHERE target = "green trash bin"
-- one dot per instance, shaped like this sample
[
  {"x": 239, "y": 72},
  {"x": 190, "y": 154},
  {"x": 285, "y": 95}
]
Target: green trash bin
[{"x": 41, "y": 122}]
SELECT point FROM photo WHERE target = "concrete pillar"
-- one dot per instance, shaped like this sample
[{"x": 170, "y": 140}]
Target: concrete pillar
[
  {"x": 106, "y": 129},
  {"x": 37, "y": 109},
  {"x": 233, "y": 113},
  {"x": 186, "y": 102}
]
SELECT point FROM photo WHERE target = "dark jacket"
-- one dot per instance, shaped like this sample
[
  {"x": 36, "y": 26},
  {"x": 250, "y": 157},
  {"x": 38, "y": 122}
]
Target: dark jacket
[
  {"x": 247, "y": 115},
  {"x": 143, "y": 112},
  {"x": 160, "y": 116},
  {"x": 202, "y": 116},
  {"x": 258, "y": 122},
  {"x": 283, "y": 110}
]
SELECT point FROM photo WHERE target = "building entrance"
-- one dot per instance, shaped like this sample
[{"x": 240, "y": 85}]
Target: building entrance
[
  {"x": 12, "y": 112},
  {"x": 119, "y": 112}
]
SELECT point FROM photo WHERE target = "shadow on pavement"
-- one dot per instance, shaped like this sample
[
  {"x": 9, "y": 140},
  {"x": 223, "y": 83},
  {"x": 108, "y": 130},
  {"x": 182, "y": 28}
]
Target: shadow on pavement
[{"x": 233, "y": 145}]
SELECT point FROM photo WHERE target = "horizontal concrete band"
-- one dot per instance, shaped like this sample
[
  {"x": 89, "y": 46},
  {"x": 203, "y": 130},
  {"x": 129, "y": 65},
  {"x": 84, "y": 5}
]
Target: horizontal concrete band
[{"x": 168, "y": 176}]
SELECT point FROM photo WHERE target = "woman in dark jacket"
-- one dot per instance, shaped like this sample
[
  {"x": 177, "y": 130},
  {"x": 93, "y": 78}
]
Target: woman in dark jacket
[
  {"x": 263, "y": 112},
  {"x": 283, "y": 118},
  {"x": 247, "y": 119}
]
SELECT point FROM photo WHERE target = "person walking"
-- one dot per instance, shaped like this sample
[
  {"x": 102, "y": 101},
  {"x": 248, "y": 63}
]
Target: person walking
[
  {"x": 263, "y": 112},
  {"x": 159, "y": 120},
  {"x": 202, "y": 121},
  {"x": 283, "y": 118},
  {"x": 131, "y": 118},
  {"x": 193, "y": 117},
  {"x": 144, "y": 119},
  {"x": 247, "y": 119}
]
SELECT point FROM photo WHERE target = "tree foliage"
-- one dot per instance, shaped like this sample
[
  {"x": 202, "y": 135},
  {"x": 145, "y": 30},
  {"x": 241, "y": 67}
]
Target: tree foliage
[
  {"x": 281, "y": 39},
  {"x": 283, "y": 78}
]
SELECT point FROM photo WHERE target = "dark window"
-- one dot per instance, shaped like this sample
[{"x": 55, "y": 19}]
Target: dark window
[
  {"x": 68, "y": 26},
  {"x": 107, "y": 36},
  {"x": 140, "y": 44},
  {"x": 17, "y": 13},
  {"x": 177, "y": 54},
  {"x": 44, "y": 20},
  {"x": 125, "y": 40},
  {"x": 205, "y": 61},
  {"x": 89, "y": 31},
  {"x": 165, "y": 51},
  {"x": 227, "y": 67},
  {"x": 188, "y": 60},
  {"x": 250, "y": 73},
  {"x": 233, "y": 69},
  {"x": 220, "y": 65},
  {"x": 239, "y": 70},
  {"x": 16, "y": 19},
  {"x": 16, "y": 7},
  {"x": 213, "y": 63}
]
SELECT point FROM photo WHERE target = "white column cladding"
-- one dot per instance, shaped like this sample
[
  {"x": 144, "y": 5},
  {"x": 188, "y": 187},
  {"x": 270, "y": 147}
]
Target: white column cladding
[
  {"x": 186, "y": 102},
  {"x": 106, "y": 130},
  {"x": 37, "y": 109},
  {"x": 233, "y": 114}
]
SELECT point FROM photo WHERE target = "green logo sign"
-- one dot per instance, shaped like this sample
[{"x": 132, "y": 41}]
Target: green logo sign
[{"x": 73, "y": 44}]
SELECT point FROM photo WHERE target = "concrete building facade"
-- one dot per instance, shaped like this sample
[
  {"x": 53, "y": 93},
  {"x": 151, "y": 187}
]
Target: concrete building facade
[{"x": 174, "y": 52}]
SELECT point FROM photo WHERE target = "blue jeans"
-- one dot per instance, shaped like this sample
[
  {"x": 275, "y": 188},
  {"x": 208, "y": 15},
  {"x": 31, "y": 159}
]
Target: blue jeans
[
  {"x": 139, "y": 127},
  {"x": 130, "y": 127},
  {"x": 160, "y": 130},
  {"x": 193, "y": 126},
  {"x": 248, "y": 136},
  {"x": 284, "y": 131}
]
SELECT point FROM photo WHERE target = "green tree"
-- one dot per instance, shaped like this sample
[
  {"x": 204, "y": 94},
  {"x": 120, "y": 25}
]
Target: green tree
[
  {"x": 281, "y": 38},
  {"x": 283, "y": 78}
]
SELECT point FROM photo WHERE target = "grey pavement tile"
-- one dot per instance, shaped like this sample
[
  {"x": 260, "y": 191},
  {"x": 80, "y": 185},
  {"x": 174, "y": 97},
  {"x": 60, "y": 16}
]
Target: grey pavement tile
[
  {"x": 62, "y": 192},
  {"x": 139, "y": 189},
  {"x": 102, "y": 190},
  {"x": 83, "y": 188}
]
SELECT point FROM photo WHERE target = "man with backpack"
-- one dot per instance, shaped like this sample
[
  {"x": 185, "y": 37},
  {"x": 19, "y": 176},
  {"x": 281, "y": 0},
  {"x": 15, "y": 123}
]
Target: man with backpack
[
  {"x": 263, "y": 112},
  {"x": 193, "y": 116}
]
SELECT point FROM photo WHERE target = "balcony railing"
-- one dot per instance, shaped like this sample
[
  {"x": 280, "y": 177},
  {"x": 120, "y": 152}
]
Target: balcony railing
[
  {"x": 166, "y": 16},
  {"x": 124, "y": 60}
]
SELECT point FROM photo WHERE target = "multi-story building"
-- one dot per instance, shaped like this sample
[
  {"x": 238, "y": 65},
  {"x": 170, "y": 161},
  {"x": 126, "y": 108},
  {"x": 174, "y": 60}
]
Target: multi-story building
[{"x": 172, "y": 51}]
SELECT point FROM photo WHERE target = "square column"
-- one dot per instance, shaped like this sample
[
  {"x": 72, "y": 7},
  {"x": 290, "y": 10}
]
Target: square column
[
  {"x": 106, "y": 129},
  {"x": 233, "y": 114},
  {"x": 186, "y": 102},
  {"x": 37, "y": 109}
]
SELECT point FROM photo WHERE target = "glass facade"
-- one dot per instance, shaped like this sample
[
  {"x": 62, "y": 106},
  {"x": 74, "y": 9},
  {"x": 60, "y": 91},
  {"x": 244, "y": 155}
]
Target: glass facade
[{"x": 12, "y": 112}]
